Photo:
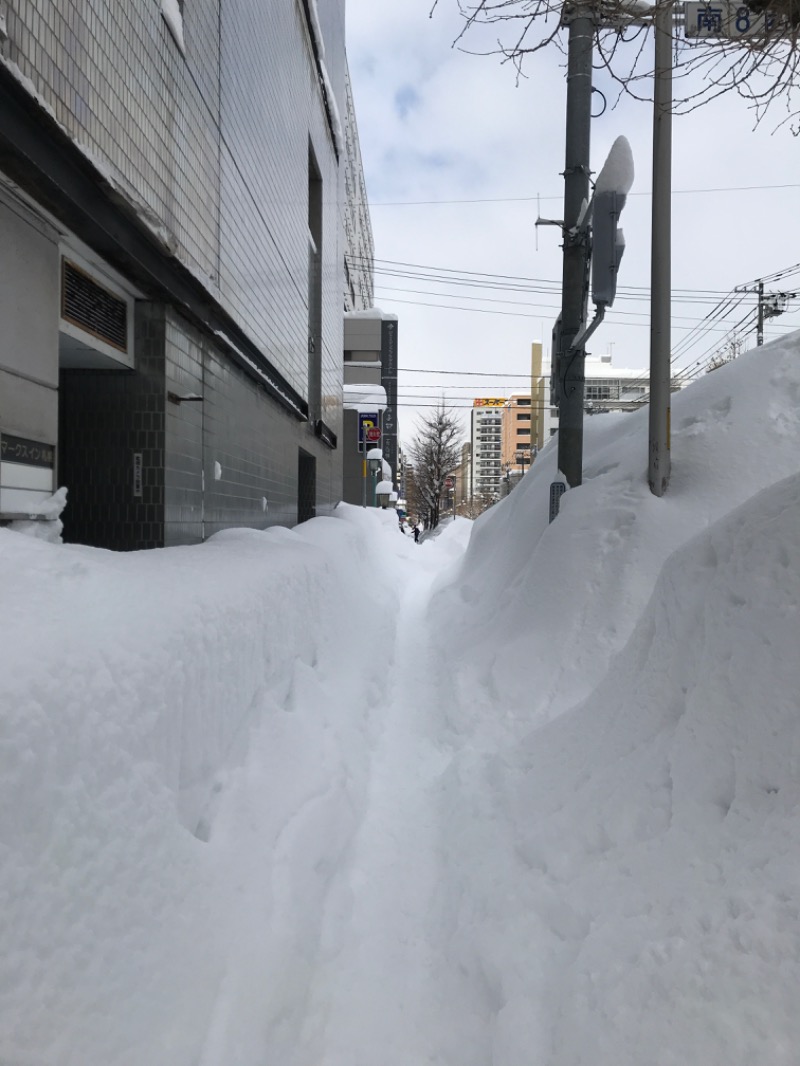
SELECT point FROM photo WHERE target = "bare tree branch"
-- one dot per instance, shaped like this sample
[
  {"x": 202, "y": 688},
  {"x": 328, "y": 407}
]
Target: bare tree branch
[
  {"x": 761, "y": 69},
  {"x": 435, "y": 453}
]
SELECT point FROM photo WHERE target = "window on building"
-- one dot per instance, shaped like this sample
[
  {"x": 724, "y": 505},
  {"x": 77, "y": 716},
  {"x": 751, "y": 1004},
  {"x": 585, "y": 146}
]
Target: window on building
[
  {"x": 523, "y": 418},
  {"x": 598, "y": 392},
  {"x": 526, "y": 402},
  {"x": 523, "y": 432}
]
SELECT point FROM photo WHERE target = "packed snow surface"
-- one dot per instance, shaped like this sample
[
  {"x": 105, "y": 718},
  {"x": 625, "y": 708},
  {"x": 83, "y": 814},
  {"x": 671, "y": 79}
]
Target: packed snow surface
[{"x": 518, "y": 794}]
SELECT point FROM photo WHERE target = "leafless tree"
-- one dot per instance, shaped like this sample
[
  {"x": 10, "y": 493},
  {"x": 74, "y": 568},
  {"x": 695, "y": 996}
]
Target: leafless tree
[
  {"x": 435, "y": 453},
  {"x": 476, "y": 505},
  {"x": 763, "y": 67}
]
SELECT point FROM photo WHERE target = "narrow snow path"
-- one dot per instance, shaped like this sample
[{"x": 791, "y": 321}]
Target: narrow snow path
[
  {"x": 385, "y": 988},
  {"x": 333, "y": 834}
]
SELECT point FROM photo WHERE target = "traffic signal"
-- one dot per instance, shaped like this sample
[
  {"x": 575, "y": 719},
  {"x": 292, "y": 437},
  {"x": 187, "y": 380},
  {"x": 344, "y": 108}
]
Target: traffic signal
[{"x": 608, "y": 242}]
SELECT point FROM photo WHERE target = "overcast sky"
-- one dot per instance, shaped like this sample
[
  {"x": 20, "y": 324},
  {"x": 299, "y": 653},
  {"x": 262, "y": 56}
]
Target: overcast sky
[{"x": 455, "y": 154}]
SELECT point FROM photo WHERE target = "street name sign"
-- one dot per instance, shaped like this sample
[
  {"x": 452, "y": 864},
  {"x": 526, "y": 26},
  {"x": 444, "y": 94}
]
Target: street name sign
[{"x": 729, "y": 21}]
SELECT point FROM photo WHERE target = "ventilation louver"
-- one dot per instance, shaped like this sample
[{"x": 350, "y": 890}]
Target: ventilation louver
[{"x": 93, "y": 308}]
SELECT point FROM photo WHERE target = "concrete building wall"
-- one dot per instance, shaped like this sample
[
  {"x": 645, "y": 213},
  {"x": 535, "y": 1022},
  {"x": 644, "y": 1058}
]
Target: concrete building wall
[
  {"x": 115, "y": 80},
  {"x": 212, "y": 149},
  {"x": 28, "y": 353},
  {"x": 517, "y": 422},
  {"x": 359, "y": 244},
  {"x": 246, "y": 455}
]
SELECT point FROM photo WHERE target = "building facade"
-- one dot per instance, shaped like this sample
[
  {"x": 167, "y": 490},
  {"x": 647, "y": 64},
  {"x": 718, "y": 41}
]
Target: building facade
[
  {"x": 359, "y": 289},
  {"x": 518, "y": 447},
  {"x": 486, "y": 442},
  {"x": 173, "y": 246},
  {"x": 370, "y": 362},
  {"x": 610, "y": 388}
]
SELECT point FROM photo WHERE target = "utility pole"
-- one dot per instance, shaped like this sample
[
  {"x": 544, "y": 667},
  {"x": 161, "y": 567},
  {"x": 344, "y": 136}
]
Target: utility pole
[
  {"x": 661, "y": 272},
  {"x": 770, "y": 305},
  {"x": 575, "y": 282}
]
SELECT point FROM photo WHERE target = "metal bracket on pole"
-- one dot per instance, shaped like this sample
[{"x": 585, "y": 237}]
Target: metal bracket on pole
[{"x": 582, "y": 337}]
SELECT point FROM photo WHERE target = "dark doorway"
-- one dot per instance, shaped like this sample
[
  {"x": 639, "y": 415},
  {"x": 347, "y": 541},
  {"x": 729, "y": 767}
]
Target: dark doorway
[
  {"x": 306, "y": 487},
  {"x": 110, "y": 458}
]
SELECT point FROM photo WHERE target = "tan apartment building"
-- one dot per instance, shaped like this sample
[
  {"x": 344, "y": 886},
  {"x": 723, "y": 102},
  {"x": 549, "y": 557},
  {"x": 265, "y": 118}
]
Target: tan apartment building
[{"x": 518, "y": 448}]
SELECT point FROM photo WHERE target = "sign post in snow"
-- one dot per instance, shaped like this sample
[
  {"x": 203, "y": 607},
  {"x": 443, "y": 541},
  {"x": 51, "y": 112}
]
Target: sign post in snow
[
  {"x": 569, "y": 357},
  {"x": 659, "y": 460}
]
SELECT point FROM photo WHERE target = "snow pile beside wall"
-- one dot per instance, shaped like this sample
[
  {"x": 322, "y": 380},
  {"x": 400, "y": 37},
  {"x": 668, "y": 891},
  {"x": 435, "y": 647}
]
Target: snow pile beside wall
[{"x": 132, "y": 686}]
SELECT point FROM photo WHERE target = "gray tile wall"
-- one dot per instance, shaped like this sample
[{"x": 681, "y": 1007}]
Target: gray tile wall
[
  {"x": 117, "y": 83},
  {"x": 213, "y": 147},
  {"x": 244, "y": 450},
  {"x": 268, "y": 123},
  {"x": 359, "y": 244}
]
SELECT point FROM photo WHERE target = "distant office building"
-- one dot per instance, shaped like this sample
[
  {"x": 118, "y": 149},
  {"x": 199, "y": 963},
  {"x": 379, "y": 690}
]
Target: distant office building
[
  {"x": 540, "y": 398},
  {"x": 486, "y": 432},
  {"x": 180, "y": 190},
  {"x": 609, "y": 388},
  {"x": 518, "y": 448}
]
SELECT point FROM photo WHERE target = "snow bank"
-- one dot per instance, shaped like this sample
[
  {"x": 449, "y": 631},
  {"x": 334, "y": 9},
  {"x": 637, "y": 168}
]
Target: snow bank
[
  {"x": 49, "y": 525},
  {"x": 635, "y": 897},
  {"x": 262, "y": 802},
  {"x": 622, "y": 811},
  {"x": 575, "y": 590},
  {"x": 132, "y": 687}
]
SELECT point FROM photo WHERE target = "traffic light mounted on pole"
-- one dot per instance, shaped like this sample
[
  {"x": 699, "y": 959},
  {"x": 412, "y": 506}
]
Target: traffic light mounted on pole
[{"x": 600, "y": 243}]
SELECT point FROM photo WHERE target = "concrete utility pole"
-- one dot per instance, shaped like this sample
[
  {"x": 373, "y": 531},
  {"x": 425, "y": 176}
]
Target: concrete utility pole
[
  {"x": 575, "y": 282},
  {"x": 770, "y": 305},
  {"x": 661, "y": 270}
]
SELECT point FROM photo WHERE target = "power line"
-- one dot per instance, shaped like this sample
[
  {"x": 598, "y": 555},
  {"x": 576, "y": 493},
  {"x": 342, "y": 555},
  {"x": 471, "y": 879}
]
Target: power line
[
  {"x": 516, "y": 303},
  {"x": 541, "y": 289},
  {"x": 535, "y": 199},
  {"x": 463, "y": 373},
  {"x": 462, "y": 402},
  {"x": 520, "y": 314},
  {"x": 392, "y": 264}
]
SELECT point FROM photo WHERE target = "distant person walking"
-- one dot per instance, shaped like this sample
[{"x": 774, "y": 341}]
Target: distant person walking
[{"x": 416, "y": 534}]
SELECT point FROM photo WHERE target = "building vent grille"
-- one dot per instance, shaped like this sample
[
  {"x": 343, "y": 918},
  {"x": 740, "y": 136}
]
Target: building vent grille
[{"x": 93, "y": 308}]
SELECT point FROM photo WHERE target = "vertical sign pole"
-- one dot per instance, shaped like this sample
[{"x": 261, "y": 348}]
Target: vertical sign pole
[{"x": 658, "y": 472}]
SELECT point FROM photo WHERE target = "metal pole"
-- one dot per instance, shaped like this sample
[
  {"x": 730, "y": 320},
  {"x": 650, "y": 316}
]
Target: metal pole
[
  {"x": 661, "y": 272},
  {"x": 760, "y": 328},
  {"x": 575, "y": 283}
]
